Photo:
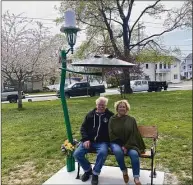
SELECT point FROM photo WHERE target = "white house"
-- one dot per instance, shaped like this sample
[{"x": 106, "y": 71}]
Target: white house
[
  {"x": 33, "y": 84},
  {"x": 162, "y": 72},
  {"x": 186, "y": 67}
]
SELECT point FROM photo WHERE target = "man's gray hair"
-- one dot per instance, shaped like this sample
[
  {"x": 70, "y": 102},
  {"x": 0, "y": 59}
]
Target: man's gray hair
[{"x": 102, "y": 99}]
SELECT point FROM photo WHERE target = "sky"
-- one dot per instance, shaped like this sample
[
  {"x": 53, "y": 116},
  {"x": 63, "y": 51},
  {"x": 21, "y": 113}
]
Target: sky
[{"x": 45, "y": 10}]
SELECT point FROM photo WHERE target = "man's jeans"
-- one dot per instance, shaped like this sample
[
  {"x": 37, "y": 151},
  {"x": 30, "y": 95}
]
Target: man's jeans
[
  {"x": 119, "y": 155},
  {"x": 102, "y": 152}
]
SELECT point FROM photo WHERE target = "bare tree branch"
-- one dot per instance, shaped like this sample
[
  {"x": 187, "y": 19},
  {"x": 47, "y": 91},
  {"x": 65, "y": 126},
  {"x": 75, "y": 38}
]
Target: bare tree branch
[
  {"x": 143, "y": 12},
  {"x": 123, "y": 1},
  {"x": 90, "y": 24},
  {"x": 129, "y": 9},
  {"x": 111, "y": 19},
  {"x": 118, "y": 53},
  {"x": 120, "y": 10},
  {"x": 155, "y": 35}
]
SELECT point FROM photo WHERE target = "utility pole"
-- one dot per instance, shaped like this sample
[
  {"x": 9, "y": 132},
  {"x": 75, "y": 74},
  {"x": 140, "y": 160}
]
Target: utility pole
[
  {"x": 139, "y": 34},
  {"x": 138, "y": 40},
  {"x": 138, "y": 37}
]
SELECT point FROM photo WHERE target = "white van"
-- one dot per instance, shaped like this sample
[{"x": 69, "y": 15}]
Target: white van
[{"x": 139, "y": 85}]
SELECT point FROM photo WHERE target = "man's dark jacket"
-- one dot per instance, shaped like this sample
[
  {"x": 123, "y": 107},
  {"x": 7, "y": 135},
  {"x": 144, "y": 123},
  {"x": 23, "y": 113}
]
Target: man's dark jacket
[{"x": 95, "y": 126}]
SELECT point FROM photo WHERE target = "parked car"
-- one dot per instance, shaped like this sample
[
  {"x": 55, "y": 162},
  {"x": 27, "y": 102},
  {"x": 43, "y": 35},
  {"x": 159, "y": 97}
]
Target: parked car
[
  {"x": 53, "y": 87},
  {"x": 82, "y": 89},
  {"x": 146, "y": 85},
  {"x": 10, "y": 95}
]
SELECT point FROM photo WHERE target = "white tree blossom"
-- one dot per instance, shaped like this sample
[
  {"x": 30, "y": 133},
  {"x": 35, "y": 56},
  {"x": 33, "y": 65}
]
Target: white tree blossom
[{"x": 28, "y": 49}]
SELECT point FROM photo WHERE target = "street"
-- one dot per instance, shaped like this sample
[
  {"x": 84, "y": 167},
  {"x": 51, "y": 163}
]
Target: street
[{"x": 187, "y": 85}]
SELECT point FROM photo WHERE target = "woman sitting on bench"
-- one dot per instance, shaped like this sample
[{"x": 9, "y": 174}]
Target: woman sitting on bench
[{"x": 126, "y": 139}]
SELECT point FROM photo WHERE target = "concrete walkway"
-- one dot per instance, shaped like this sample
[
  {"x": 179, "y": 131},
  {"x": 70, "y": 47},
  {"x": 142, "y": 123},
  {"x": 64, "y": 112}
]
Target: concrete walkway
[{"x": 109, "y": 175}]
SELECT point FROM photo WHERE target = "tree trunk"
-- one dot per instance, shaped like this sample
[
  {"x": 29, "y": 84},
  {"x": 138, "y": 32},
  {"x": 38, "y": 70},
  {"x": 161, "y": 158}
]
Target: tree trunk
[
  {"x": 155, "y": 72},
  {"x": 126, "y": 72},
  {"x": 19, "y": 95},
  {"x": 69, "y": 75},
  {"x": 32, "y": 81},
  {"x": 127, "y": 87},
  {"x": 43, "y": 78}
]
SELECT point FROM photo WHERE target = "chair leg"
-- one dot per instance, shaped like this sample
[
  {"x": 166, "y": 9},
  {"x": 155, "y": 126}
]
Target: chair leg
[
  {"x": 154, "y": 173},
  {"x": 78, "y": 172},
  {"x": 152, "y": 160},
  {"x": 152, "y": 170}
]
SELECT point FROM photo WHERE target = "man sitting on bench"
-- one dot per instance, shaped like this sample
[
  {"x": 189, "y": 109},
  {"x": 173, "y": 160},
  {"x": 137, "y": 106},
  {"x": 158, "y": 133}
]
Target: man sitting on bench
[{"x": 94, "y": 131}]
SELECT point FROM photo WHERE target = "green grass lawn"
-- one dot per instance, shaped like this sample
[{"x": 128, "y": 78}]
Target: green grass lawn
[{"x": 31, "y": 138}]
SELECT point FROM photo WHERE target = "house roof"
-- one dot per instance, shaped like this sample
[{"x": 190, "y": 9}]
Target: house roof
[
  {"x": 189, "y": 56},
  {"x": 177, "y": 60}
]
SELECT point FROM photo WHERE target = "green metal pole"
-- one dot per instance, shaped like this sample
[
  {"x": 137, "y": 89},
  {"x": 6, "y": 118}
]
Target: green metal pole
[{"x": 70, "y": 162}]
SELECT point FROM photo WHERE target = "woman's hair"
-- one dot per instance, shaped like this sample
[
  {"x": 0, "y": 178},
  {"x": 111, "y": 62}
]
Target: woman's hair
[
  {"x": 102, "y": 99},
  {"x": 122, "y": 101}
]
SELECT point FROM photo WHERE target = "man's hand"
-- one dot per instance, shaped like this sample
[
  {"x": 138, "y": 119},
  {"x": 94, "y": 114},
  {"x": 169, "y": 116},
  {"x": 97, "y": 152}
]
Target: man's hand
[
  {"x": 86, "y": 144},
  {"x": 124, "y": 149}
]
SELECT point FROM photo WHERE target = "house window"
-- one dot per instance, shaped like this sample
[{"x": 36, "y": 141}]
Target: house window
[
  {"x": 144, "y": 82},
  {"x": 146, "y": 78},
  {"x": 190, "y": 67},
  {"x": 175, "y": 76},
  {"x": 156, "y": 66},
  {"x": 146, "y": 66},
  {"x": 164, "y": 66},
  {"x": 138, "y": 83},
  {"x": 184, "y": 67},
  {"x": 169, "y": 66},
  {"x": 160, "y": 66}
]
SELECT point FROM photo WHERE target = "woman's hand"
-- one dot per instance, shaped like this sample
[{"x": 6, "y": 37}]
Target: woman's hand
[
  {"x": 86, "y": 144},
  {"x": 124, "y": 149}
]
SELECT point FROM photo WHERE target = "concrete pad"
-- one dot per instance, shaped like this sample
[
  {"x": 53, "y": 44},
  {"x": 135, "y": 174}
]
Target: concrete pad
[{"x": 109, "y": 175}]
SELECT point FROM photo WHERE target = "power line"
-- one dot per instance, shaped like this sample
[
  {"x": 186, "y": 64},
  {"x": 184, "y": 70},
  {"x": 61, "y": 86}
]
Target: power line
[
  {"x": 36, "y": 18},
  {"x": 47, "y": 19},
  {"x": 176, "y": 45},
  {"x": 185, "y": 50},
  {"x": 50, "y": 23},
  {"x": 152, "y": 22}
]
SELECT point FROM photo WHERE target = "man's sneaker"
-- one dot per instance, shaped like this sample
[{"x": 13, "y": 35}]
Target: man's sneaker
[
  {"x": 94, "y": 180},
  {"x": 86, "y": 176}
]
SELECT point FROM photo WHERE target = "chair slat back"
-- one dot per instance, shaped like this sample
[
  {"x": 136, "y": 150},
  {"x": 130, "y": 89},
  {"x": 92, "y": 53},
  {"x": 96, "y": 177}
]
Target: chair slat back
[{"x": 148, "y": 131}]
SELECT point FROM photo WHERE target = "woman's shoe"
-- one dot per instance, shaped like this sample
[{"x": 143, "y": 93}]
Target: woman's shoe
[
  {"x": 126, "y": 177},
  {"x": 137, "y": 182}
]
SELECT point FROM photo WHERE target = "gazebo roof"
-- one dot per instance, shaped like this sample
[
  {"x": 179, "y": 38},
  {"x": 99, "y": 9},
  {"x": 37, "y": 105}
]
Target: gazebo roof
[{"x": 103, "y": 61}]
